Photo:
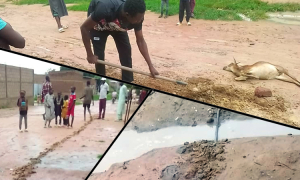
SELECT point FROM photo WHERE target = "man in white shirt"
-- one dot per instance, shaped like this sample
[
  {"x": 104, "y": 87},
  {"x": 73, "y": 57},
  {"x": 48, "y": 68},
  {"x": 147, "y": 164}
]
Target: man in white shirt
[{"x": 104, "y": 89}]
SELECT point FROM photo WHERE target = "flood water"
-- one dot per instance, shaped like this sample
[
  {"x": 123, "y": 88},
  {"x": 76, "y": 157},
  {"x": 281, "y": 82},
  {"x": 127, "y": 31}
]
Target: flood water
[
  {"x": 81, "y": 161},
  {"x": 131, "y": 144},
  {"x": 289, "y": 18}
]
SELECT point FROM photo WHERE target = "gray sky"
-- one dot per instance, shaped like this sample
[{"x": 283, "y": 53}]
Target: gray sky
[{"x": 25, "y": 62}]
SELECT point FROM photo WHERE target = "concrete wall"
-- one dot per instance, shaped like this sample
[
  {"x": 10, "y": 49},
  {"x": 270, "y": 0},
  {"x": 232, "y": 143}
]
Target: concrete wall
[
  {"x": 63, "y": 80},
  {"x": 39, "y": 78},
  {"x": 12, "y": 81}
]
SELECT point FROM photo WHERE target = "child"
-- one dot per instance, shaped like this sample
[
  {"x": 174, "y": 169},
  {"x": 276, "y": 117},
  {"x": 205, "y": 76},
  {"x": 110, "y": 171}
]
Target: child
[
  {"x": 38, "y": 98},
  {"x": 163, "y": 2},
  {"x": 23, "y": 108},
  {"x": 184, "y": 6},
  {"x": 58, "y": 9},
  {"x": 71, "y": 105},
  {"x": 64, "y": 111},
  {"x": 58, "y": 102},
  {"x": 50, "y": 108}
]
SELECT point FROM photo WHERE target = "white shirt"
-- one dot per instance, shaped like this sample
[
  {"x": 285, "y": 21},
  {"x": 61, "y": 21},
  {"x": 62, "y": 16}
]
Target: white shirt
[
  {"x": 104, "y": 88},
  {"x": 114, "y": 94}
]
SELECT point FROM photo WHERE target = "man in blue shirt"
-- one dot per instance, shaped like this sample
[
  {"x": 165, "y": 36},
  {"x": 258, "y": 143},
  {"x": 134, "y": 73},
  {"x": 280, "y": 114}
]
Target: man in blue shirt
[{"x": 9, "y": 37}]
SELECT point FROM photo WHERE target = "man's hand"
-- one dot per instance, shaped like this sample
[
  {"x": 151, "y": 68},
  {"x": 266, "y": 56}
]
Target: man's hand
[
  {"x": 92, "y": 59},
  {"x": 153, "y": 71}
]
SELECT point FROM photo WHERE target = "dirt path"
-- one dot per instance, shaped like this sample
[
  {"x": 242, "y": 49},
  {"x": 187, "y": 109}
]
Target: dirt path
[
  {"x": 247, "y": 158},
  {"x": 198, "y": 51},
  {"x": 60, "y": 150}
]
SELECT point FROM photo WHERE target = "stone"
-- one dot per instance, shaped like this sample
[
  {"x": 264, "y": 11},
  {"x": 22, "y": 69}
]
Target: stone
[{"x": 263, "y": 92}]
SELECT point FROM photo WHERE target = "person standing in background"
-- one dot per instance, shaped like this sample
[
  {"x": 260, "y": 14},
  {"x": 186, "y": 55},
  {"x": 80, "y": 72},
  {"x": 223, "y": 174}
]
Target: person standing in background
[
  {"x": 50, "y": 108},
  {"x": 88, "y": 98},
  {"x": 143, "y": 94},
  {"x": 121, "y": 101},
  {"x": 192, "y": 5},
  {"x": 104, "y": 90},
  {"x": 10, "y": 37},
  {"x": 45, "y": 90},
  {"x": 58, "y": 9},
  {"x": 114, "y": 96},
  {"x": 64, "y": 111},
  {"x": 71, "y": 106},
  {"x": 163, "y": 3},
  {"x": 23, "y": 108},
  {"x": 184, "y": 5},
  {"x": 58, "y": 102}
]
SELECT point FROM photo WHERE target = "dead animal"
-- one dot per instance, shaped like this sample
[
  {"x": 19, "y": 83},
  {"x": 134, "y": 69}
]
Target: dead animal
[{"x": 260, "y": 70}]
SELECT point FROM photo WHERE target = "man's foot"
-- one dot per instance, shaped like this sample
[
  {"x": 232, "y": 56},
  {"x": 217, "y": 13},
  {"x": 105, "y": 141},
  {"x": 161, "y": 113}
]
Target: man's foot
[
  {"x": 49, "y": 126},
  {"x": 178, "y": 24},
  {"x": 103, "y": 119},
  {"x": 26, "y": 130},
  {"x": 65, "y": 27},
  {"x": 60, "y": 30},
  {"x": 192, "y": 15},
  {"x": 189, "y": 24},
  {"x": 166, "y": 16},
  {"x": 45, "y": 126},
  {"x": 20, "y": 130},
  {"x": 160, "y": 16}
]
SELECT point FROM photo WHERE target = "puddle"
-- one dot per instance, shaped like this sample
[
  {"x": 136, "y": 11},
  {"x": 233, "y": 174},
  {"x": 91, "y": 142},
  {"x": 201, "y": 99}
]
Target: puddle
[
  {"x": 131, "y": 144},
  {"x": 285, "y": 18},
  {"x": 81, "y": 161}
]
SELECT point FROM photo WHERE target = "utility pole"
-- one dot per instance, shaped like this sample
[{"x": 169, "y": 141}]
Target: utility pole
[{"x": 217, "y": 125}]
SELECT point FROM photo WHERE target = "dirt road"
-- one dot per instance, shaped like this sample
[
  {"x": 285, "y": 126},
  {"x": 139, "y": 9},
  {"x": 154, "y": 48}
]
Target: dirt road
[
  {"x": 247, "y": 158},
  {"x": 182, "y": 53},
  {"x": 70, "y": 153}
]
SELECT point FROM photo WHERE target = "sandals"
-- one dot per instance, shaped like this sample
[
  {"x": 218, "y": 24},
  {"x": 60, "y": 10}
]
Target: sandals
[{"x": 60, "y": 30}]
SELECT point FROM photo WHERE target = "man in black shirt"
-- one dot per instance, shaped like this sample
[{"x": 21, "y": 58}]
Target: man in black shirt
[{"x": 115, "y": 17}]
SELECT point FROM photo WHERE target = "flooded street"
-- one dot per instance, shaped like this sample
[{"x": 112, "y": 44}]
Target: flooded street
[
  {"x": 131, "y": 144},
  {"x": 73, "y": 158}
]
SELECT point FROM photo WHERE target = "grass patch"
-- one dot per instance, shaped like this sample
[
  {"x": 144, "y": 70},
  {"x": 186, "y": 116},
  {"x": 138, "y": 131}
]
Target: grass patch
[
  {"x": 78, "y": 103},
  {"x": 99, "y": 156},
  {"x": 227, "y": 10}
]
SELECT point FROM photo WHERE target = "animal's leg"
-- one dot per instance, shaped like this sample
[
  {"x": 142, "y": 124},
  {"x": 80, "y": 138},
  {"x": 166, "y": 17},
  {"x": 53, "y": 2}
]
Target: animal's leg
[
  {"x": 241, "y": 78},
  {"x": 282, "y": 77}
]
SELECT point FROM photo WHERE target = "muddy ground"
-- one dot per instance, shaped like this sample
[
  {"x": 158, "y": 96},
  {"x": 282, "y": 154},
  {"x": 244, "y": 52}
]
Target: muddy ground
[
  {"x": 55, "y": 153},
  {"x": 275, "y": 158},
  {"x": 173, "y": 111},
  {"x": 195, "y": 54}
]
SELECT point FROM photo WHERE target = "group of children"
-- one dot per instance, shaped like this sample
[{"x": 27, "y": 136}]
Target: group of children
[
  {"x": 184, "y": 5},
  {"x": 62, "y": 107}
]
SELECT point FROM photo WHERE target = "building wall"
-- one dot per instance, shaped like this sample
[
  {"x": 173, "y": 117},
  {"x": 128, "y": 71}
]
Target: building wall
[
  {"x": 63, "y": 80},
  {"x": 39, "y": 78},
  {"x": 12, "y": 81}
]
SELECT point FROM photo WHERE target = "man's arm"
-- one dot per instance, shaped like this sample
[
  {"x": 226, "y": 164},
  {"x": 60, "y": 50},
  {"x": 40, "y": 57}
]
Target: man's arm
[
  {"x": 88, "y": 25},
  {"x": 144, "y": 51},
  {"x": 12, "y": 37}
]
